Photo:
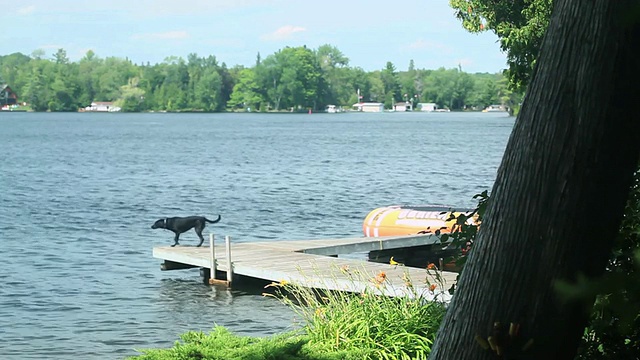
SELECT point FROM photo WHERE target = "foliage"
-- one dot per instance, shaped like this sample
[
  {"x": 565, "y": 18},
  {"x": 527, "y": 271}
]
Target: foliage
[
  {"x": 464, "y": 231},
  {"x": 391, "y": 85},
  {"x": 291, "y": 77},
  {"x": 520, "y": 26},
  {"x": 222, "y": 344},
  {"x": 337, "y": 325},
  {"x": 368, "y": 323},
  {"x": 295, "y": 78},
  {"x": 614, "y": 330},
  {"x": 131, "y": 96},
  {"x": 448, "y": 88},
  {"x": 246, "y": 92}
]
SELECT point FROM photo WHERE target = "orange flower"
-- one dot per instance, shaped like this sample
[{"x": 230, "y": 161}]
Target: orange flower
[
  {"x": 431, "y": 266},
  {"x": 380, "y": 278},
  {"x": 432, "y": 287}
]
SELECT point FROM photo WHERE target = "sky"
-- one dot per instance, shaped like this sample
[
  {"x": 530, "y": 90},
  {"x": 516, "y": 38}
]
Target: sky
[{"x": 369, "y": 33}]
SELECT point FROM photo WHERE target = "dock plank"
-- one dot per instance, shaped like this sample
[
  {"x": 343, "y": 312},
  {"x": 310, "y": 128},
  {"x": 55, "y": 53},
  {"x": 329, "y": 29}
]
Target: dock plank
[{"x": 306, "y": 262}]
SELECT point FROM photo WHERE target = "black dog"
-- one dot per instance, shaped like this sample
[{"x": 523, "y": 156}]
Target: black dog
[{"x": 181, "y": 224}]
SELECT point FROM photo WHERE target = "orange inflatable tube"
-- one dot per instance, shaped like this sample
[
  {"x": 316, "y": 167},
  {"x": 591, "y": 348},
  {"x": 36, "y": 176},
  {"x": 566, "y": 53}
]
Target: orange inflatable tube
[{"x": 397, "y": 220}]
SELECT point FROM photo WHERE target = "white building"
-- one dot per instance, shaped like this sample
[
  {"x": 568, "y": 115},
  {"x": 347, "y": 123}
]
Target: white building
[
  {"x": 369, "y": 107},
  {"x": 495, "y": 108},
  {"x": 403, "y": 106},
  {"x": 428, "y": 106},
  {"x": 102, "y": 106}
]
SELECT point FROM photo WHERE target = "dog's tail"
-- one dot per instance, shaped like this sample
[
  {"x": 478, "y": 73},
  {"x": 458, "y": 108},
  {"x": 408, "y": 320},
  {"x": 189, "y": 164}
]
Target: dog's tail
[{"x": 214, "y": 221}]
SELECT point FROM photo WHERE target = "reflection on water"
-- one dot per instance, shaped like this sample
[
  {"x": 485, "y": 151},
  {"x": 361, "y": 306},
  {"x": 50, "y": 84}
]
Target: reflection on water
[
  {"x": 245, "y": 309},
  {"x": 80, "y": 191}
]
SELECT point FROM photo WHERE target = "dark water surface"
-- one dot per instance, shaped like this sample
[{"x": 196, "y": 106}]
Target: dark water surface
[{"x": 79, "y": 192}]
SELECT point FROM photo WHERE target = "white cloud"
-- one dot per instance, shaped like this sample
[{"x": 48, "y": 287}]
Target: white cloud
[
  {"x": 168, "y": 35},
  {"x": 190, "y": 7},
  {"x": 27, "y": 10},
  {"x": 282, "y": 33}
]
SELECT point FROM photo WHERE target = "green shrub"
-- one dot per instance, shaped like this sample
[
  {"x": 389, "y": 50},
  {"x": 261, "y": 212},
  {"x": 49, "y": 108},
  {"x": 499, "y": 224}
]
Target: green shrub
[
  {"x": 370, "y": 324},
  {"x": 221, "y": 344}
]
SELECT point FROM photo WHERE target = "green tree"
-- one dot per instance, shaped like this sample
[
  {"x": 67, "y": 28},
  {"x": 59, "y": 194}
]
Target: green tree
[
  {"x": 131, "y": 96},
  {"x": 520, "y": 26},
  {"x": 151, "y": 80},
  {"x": 335, "y": 72},
  {"x": 376, "y": 87},
  {"x": 291, "y": 78},
  {"x": 269, "y": 76},
  {"x": 246, "y": 92},
  {"x": 296, "y": 77},
  {"x": 37, "y": 54},
  {"x": 195, "y": 68},
  {"x": 172, "y": 94},
  {"x": 60, "y": 57},
  {"x": 109, "y": 76},
  {"x": 62, "y": 98},
  {"x": 64, "y": 84},
  {"x": 485, "y": 91},
  {"x": 360, "y": 83},
  {"x": 86, "y": 79},
  {"x": 448, "y": 88},
  {"x": 555, "y": 175},
  {"x": 209, "y": 93},
  {"x": 408, "y": 81},
  {"x": 14, "y": 71},
  {"x": 35, "y": 91},
  {"x": 391, "y": 83}
]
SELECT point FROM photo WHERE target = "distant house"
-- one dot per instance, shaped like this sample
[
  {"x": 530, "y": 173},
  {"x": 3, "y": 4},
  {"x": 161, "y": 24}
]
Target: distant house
[
  {"x": 428, "y": 106},
  {"x": 102, "y": 106},
  {"x": 403, "y": 106},
  {"x": 495, "y": 108},
  {"x": 369, "y": 107},
  {"x": 7, "y": 96}
]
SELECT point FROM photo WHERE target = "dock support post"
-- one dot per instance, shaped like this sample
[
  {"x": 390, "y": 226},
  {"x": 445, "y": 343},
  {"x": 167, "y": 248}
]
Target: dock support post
[
  {"x": 212, "y": 253},
  {"x": 227, "y": 240},
  {"x": 212, "y": 256}
]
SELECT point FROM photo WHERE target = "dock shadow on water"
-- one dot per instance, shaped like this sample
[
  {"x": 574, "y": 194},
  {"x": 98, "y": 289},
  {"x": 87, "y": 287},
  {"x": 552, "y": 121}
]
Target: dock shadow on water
[{"x": 241, "y": 308}]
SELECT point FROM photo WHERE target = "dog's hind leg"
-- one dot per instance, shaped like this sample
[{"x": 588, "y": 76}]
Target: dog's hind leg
[
  {"x": 175, "y": 240},
  {"x": 198, "y": 228}
]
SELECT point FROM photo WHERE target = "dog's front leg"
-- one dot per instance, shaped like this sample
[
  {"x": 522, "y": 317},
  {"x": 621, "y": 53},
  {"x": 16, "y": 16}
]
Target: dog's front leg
[{"x": 175, "y": 240}]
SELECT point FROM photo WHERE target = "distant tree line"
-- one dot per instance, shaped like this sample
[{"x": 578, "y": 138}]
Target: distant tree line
[{"x": 295, "y": 78}]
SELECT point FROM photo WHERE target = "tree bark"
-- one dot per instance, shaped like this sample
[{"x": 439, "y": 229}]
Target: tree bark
[{"x": 560, "y": 191}]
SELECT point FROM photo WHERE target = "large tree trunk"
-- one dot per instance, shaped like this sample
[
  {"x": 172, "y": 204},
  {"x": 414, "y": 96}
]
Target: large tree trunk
[{"x": 560, "y": 191}]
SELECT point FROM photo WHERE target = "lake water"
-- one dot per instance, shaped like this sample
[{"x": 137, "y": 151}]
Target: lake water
[{"x": 79, "y": 192}]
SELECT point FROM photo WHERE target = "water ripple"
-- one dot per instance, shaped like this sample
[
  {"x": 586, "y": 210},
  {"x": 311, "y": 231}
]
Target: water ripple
[{"x": 79, "y": 193}]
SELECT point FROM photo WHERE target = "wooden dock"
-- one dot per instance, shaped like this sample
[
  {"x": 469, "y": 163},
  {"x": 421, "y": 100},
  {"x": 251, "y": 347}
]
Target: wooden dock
[{"x": 318, "y": 264}]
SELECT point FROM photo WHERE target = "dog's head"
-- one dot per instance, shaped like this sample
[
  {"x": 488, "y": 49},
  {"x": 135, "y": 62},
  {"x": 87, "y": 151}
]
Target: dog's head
[{"x": 159, "y": 224}]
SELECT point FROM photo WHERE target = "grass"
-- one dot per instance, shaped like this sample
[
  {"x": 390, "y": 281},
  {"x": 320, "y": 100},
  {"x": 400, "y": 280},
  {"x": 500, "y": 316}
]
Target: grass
[
  {"x": 221, "y": 344},
  {"x": 337, "y": 325},
  {"x": 375, "y": 325}
]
